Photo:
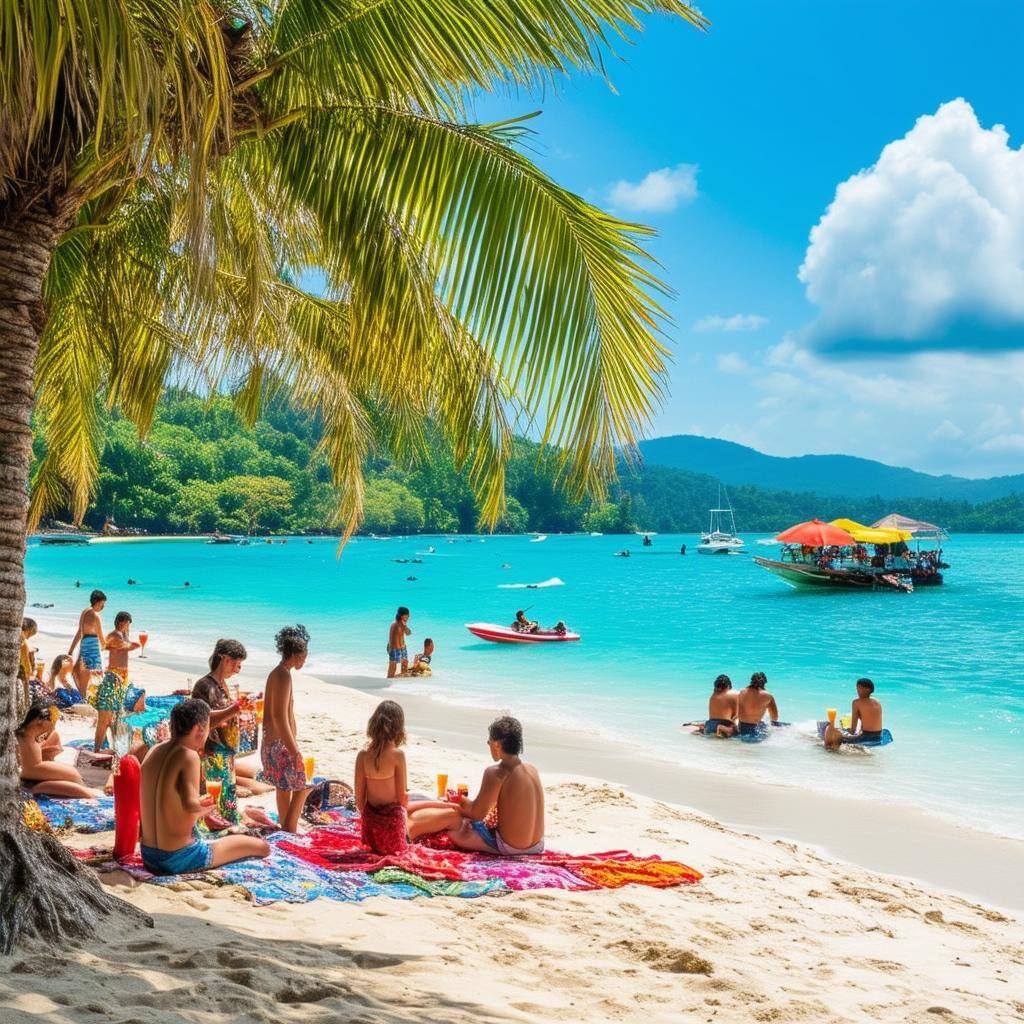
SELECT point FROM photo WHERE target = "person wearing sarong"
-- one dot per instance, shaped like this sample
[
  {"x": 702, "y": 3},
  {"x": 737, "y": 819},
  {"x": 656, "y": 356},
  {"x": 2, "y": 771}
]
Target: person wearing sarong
[{"x": 218, "y": 758}]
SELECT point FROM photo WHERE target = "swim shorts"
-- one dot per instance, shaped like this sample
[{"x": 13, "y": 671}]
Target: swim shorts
[
  {"x": 90, "y": 653},
  {"x": 712, "y": 724},
  {"x": 492, "y": 837},
  {"x": 66, "y": 698},
  {"x": 109, "y": 695},
  {"x": 197, "y": 856},
  {"x": 753, "y": 729},
  {"x": 281, "y": 770},
  {"x": 867, "y": 736},
  {"x": 398, "y": 654}
]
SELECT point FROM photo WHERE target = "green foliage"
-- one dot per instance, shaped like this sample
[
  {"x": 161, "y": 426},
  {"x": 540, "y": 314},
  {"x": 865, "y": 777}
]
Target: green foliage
[{"x": 202, "y": 469}]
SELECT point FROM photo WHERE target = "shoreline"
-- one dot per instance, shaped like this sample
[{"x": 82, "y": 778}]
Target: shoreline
[
  {"x": 898, "y": 840},
  {"x": 775, "y": 931}
]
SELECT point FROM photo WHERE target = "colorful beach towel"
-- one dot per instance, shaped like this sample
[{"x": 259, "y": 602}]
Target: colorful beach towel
[{"x": 96, "y": 815}]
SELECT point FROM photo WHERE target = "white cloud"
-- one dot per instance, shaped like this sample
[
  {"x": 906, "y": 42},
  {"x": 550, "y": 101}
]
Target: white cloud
[
  {"x": 736, "y": 322},
  {"x": 925, "y": 249},
  {"x": 733, "y": 362},
  {"x": 947, "y": 430},
  {"x": 659, "y": 191}
]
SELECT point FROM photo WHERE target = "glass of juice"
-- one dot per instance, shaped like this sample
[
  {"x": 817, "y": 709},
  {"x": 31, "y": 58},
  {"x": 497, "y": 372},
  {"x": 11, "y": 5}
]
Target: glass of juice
[
  {"x": 143, "y": 637},
  {"x": 830, "y": 714},
  {"x": 259, "y": 710},
  {"x": 213, "y": 788},
  {"x": 463, "y": 789},
  {"x": 442, "y": 784},
  {"x": 309, "y": 764}
]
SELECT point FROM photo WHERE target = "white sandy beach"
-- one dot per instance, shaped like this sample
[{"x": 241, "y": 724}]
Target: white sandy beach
[{"x": 777, "y": 930}]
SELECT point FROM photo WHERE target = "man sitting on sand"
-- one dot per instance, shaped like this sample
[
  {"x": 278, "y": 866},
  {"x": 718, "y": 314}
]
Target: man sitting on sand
[
  {"x": 865, "y": 712},
  {"x": 723, "y": 710},
  {"x": 753, "y": 701},
  {"x": 171, "y": 803},
  {"x": 514, "y": 788},
  {"x": 38, "y": 744}
]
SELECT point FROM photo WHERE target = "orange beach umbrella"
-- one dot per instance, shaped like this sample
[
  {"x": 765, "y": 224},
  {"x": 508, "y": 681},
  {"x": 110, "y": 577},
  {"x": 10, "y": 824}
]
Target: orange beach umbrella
[{"x": 816, "y": 534}]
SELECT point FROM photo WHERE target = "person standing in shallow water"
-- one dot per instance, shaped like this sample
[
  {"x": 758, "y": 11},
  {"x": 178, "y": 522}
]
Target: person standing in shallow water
[
  {"x": 398, "y": 653},
  {"x": 283, "y": 765}
]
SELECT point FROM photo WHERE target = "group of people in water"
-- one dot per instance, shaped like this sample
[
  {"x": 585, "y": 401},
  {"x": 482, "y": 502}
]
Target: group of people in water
[
  {"x": 743, "y": 713},
  {"x": 196, "y": 774}
]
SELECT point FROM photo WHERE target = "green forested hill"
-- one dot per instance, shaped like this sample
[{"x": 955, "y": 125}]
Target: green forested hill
[{"x": 201, "y": 469}]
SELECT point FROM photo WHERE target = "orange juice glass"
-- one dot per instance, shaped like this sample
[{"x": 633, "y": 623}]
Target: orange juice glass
[
  {"x": 442, "y": 784},
  {"x": 213, "y": 788},
  {"x": 309, "y": 764},
  {"x": 831, "y": 715},
  {"x": 259, "y": 709}
]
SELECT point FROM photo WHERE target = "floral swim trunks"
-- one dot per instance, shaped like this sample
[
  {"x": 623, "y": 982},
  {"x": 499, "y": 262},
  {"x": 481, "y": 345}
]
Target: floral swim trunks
[
  {"x": 109, "y": 695},
  {"x": 398, "y": 654},
  {"x": 280, "y": 769}
]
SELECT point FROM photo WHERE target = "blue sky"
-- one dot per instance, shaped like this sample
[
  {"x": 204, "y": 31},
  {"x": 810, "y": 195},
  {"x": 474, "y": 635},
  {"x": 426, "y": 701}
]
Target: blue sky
[{"x": 905, "y": 339}]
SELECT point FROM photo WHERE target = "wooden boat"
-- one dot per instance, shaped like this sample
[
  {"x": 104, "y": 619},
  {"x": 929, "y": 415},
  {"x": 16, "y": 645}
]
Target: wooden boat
[
  {"x": 506, "y": 635},
  {"x": 867, "y": 577}
]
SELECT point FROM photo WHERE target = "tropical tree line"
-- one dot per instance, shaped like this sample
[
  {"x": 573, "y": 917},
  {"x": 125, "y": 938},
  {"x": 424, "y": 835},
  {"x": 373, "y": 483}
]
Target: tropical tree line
[{"x": 201, "y": 468}]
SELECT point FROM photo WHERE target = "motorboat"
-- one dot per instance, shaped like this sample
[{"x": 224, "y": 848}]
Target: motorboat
[
  {"x": 64, "y": 538},
  {"x": 506, "y": 635},
  {"x": 718, "y": 540}
]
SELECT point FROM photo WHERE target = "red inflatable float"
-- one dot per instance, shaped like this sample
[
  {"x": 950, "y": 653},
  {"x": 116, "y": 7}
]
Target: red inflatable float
[{"x": 127, "y": 794}]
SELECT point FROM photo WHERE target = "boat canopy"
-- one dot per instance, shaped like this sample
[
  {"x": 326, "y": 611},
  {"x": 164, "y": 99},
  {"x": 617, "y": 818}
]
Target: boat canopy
[
  {"x": 871, "y": 534},
  {"x": 916, "y": 527},
  {"x": 816, "y": 534}
]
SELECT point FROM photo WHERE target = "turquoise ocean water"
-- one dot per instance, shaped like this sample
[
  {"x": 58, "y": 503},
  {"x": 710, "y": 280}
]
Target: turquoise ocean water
[{"x": 657, "y": 627}]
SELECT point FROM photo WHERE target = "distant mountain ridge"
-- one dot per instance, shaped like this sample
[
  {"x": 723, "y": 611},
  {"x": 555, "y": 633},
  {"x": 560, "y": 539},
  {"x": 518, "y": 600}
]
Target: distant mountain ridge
[{"x": 832, "y": 475}]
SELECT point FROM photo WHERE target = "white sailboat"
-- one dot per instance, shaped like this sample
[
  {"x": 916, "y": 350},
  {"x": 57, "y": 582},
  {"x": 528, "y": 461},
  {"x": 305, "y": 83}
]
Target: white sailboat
[{"x": 717, "y": 540}]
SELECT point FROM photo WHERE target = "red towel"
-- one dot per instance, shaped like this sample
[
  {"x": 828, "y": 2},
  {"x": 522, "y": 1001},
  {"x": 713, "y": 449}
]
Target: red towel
[{"x": 384, "y": 828}]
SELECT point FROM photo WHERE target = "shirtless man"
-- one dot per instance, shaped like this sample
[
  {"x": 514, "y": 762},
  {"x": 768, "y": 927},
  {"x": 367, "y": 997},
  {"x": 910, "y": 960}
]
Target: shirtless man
[
  {"x": 40, "y": 774},
  {"x": 90, "y": 635},
  {"x": 514, "y": 787},
  {"x": 753, "y": 701},
  {"x": 865, "y": 712},
  {"x": 723, "y": 710},
  {"x": 398, "y": 653},
  {"x": 171, "y": 803}
]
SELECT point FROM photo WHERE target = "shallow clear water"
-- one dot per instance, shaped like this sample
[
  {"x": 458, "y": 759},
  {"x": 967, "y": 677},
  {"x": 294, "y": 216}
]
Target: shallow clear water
[{"x": 657, "y": 627}]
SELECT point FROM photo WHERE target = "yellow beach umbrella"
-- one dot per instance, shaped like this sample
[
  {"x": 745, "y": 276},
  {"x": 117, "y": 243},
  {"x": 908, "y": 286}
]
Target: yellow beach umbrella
[{"x": 870, "y": 534}]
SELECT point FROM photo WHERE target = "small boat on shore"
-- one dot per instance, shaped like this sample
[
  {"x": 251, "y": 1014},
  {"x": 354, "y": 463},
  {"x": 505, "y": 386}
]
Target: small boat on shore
[
  {"x": 65, "y": 539},
  {"x": 506, "y": 635}
]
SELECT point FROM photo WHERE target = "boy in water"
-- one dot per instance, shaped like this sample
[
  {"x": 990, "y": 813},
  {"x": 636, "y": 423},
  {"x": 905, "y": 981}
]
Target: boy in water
[
  {"x": 866, "y": 712},
  {"x": 421, "y": 663},
  {"x": 90, "y": 635},
  {"x": 723, "y": 710},
  {"x": 398, "y": 653},
  {"x": 283, "y": 766},
  {"x": 109, "y": 699},
  {"x": 752, "y": 703},
  {"x": 172, "y": 804}
]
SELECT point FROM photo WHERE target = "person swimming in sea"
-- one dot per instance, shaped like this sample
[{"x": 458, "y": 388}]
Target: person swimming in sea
[
  {"x": 865, "y": 713},
  {"x": 753, "y": 701},
  {"x": 723, "y": 710}
]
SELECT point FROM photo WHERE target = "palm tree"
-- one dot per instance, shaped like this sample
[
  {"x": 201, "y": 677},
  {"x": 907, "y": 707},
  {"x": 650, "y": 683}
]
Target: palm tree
[{"x": 169, "y": 171}]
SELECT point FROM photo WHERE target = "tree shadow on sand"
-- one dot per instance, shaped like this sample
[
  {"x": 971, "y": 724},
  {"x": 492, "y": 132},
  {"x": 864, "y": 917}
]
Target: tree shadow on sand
[{"x": 213, "y": 974}]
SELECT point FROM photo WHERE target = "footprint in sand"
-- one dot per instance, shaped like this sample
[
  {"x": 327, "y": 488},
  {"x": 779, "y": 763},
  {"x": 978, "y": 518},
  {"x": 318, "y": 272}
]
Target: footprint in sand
[
  {"x": 40, "y": 966},
  {"x": 660, "y": 956},
  {"x": 312, "y": 992}
]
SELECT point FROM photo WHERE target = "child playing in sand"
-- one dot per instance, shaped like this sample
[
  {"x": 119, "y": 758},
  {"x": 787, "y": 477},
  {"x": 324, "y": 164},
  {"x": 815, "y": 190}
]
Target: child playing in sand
[
  {"x": 421, "y": 663},
  {"x": 38, "y": 745},
  {"x": 283, "y": 766},
  {"x": 398, "y": 653}
]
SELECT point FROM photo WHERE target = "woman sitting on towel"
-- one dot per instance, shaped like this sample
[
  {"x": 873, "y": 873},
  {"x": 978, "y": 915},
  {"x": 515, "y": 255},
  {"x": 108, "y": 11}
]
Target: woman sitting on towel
[
  {"x": 40, "y": 774},
  {"x": 389, "y": 819}
]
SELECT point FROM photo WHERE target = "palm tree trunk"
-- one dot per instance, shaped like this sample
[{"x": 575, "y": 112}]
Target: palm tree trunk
[{"x": 43, "y": 890}]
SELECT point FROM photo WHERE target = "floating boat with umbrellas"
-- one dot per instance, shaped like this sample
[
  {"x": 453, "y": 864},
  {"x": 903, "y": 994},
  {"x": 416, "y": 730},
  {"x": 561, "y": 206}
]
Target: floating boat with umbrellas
[{"x": 847, "y": 554}]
